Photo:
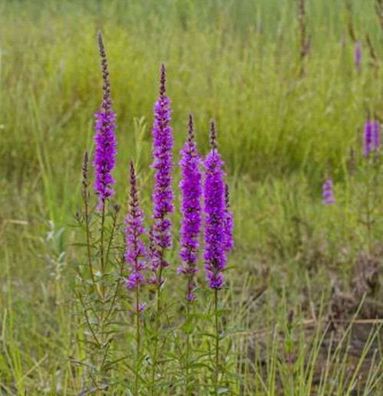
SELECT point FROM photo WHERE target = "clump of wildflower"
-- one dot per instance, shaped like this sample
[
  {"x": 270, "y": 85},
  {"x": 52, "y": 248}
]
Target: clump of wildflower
[
  {"x": 358, "y": 55},
  {"x": 371, "y": 138},
  {"x": 162, "y": 197},
  {"x": 135, "y": 252},
  {"x": 328, "y": 192},
  {"x": 215, "y": 214},
  {"x": 105, "y": 138},
  {"x": 191, "y": 189}
]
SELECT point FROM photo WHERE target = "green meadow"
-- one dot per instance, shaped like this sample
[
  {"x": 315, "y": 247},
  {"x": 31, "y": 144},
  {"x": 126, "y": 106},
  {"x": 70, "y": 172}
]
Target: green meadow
[{"x": 302, "y": 309}]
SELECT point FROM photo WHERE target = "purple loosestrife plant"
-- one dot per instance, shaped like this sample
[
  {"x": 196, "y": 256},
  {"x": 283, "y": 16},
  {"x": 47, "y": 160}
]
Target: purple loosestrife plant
[
  {"x": 328, "y": 192},
  {"x": 191, "y": 190},
  {"x": 371, "y": 138},
  {"x": 160, "y": 232},
  {"x": 105, "y": 138},
  {"x": 218, "y": 234},
  {"x": 135, "y": 256},
  {"x": 215, "y": 214},
  {"x": 191, "y": 208},
  {"x": 163, "y": 192},
  {"x": 104, "y": 159},
  {"x": 97, "y": 303},
  {"x": 135, "y": 252}
]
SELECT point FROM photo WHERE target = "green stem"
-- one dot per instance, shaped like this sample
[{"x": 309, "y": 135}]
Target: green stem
[
  {"x": 368, "y": 212},
  {"x": 109, "y": 245},
  {"x": 102, "y": 289},
  {"x": 138, "y": 340},
  {"x": 216, "y": 368},
  {"x": 87, "y": 231},
  {"x": 118, "y": 283},
  {"x": 102, "y": 238},
  {"x": 157, "y": 329},
  {"x": 188, "y": 389}
]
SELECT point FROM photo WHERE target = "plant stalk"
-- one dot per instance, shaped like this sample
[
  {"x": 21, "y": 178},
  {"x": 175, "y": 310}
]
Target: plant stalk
[
  {"x": 216, "y": 368},
  {"x": 138, "y": 341},
  {"x": 157, "y": 329}
]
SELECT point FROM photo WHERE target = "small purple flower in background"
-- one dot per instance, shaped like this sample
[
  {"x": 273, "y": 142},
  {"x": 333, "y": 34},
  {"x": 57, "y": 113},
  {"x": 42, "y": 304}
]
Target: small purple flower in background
[
  {"x": 367, "y": 138},
  {"x": 161, "y": 238},
  {"x": 105, "y": 138},
  {"x": 375, "y": 141},
  {"x": 228, "y": 223},
  {"x": 215, "y": 213},
  {"x": 328, "y": 192},
  {"x": 358, "y": 55},
  {"x": 191, "y": 189},
  {"x": 371, "y": 138},
  {"x": 135, "y": 252}
]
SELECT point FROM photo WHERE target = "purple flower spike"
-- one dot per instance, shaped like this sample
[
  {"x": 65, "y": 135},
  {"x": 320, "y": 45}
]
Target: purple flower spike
[
  {"x": 228, "y": 223},
  {"x": 162, "y": 165},
  {"x": 375, "y": 138},
  {"x": 105, "y": 138},
  {"x": 358, "y": 55},
  {"x": 367, "y": 141},
  {"x": 191, "y": 189},
  {"x": 215, "y": 213},
  {"x": 328, "y": 192},
  {"x": 135, "y": 252},
  {"x": 371, "y": 139}
]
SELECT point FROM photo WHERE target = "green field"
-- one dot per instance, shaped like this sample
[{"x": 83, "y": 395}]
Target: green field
[{"x": 303, "y": 308}]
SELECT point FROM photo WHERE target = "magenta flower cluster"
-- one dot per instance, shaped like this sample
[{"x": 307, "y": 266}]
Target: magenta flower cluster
[
  {"x": 216, "y": 232},
  {"x": 135, "y": 252},
  {"x": 202, "y": 188},
  {"x": 328, "y": 192},
  {"x": 371, "y": 139},
  {"x": 105, "y": 138},
  {"x": 191, "y": 189},
  {"x": 163, "y": 166}
]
